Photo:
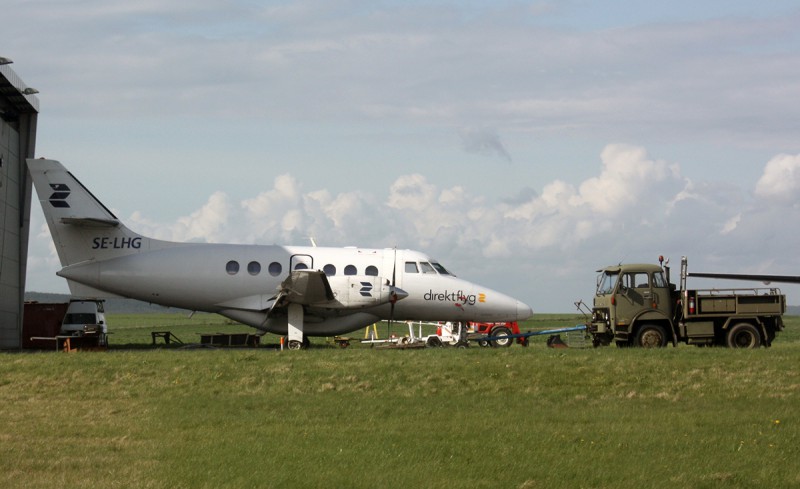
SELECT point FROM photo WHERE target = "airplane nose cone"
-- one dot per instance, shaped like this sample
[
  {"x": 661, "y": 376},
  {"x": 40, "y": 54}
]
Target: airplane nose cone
[
  {"x": 524, "y": 311},
  {"x": 398, "y": 294}
]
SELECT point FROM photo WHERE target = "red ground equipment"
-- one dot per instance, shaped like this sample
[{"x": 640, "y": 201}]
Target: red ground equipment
[{"x": 498, "y": 329}]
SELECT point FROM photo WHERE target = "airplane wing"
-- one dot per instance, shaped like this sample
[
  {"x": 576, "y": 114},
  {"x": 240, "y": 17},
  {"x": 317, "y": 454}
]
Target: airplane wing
[{"x": 759, "y": 278}]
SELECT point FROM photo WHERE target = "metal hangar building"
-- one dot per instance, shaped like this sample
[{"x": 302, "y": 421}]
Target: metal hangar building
[{"x": 19, "y": 109}]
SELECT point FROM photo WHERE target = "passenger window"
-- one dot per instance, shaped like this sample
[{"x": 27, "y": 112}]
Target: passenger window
[
  {"x": 253, "y": 268},
  {"x": 329, "y": 270},
  {"x": 411, "y": 267},
  {"x": 301, "y": 266},
  {"x": 371, "y": 270},
  {"x": 350, "y": 270},
  {"x": 426, "y": 267},
  {"x": 232, "y": 267},
  {"x": 275, "y": 269}
]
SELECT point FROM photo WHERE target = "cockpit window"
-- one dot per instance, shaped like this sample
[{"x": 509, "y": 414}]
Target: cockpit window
[
  {"x": 411, "y": 267},
  {"x": 606, "y": 283},
  {"x": 426, "y": 267},
  {"x": 439, "y": 268}
]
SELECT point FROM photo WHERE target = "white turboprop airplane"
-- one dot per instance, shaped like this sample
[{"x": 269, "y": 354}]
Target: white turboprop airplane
[{"x": 299, "y": 290}]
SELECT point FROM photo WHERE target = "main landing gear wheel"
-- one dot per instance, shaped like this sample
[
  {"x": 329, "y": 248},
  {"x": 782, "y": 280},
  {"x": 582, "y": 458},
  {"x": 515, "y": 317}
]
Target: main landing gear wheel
[{"x": 298, "y": 345}]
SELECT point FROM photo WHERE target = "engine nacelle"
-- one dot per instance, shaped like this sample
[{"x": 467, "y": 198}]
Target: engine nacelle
[{"x": 356, "y": 291}]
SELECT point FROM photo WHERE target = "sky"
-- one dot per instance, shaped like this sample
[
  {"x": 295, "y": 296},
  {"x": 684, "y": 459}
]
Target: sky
[{"x": 522, "y": 144}]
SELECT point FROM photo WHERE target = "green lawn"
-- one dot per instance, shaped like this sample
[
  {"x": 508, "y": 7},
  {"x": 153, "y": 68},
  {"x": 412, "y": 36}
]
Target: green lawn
[{"x": 143, "y": 417}]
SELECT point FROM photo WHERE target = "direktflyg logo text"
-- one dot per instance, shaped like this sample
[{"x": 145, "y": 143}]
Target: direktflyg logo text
[{"x": 456, "y": 297}]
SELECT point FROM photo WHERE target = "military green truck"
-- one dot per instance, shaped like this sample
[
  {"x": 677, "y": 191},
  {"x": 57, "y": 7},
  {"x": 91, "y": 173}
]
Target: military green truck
[{"x": 637, "y": 305}]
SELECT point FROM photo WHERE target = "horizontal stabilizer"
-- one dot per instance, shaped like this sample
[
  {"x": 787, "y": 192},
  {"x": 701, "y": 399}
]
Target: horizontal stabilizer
[{"x": 90, "y": 222}]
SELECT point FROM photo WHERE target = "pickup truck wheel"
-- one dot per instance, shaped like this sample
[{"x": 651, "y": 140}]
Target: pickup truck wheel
[
  {"x": 744, "y": 335},
  {"x": 651, "y": 336},
  {"x": 501, "y": 331}
]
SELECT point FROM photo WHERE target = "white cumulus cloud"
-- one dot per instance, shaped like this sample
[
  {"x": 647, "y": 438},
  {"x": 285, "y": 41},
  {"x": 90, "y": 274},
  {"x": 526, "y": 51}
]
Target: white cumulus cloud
[{"x": 780, "y": 181}]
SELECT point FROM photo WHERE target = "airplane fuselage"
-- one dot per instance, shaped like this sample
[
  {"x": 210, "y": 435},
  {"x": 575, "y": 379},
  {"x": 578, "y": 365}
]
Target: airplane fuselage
[{"x": 239, "y": 281}]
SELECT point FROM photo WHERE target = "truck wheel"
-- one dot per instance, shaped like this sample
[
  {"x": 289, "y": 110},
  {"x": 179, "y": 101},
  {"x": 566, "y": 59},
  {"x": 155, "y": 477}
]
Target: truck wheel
[
  {"x": 501, "y": 331},
  {"x": 651, "y": 336},
  {"x": 744, "y": 335}
]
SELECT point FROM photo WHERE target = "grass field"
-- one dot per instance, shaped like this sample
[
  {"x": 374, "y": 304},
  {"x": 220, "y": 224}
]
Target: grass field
[{"x": 534, "y": 417}]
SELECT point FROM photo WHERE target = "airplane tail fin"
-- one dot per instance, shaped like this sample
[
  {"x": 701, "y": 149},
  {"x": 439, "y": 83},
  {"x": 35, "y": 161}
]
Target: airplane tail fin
[{"x": 83, "y": 228}]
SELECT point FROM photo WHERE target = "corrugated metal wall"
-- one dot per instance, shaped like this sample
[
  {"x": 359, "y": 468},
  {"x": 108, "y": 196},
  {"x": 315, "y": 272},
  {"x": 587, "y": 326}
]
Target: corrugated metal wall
[{"x": 17, "y": 142}]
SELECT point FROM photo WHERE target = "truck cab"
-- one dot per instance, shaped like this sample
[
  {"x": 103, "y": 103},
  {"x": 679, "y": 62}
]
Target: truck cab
[{"x": 633, "y": 305}]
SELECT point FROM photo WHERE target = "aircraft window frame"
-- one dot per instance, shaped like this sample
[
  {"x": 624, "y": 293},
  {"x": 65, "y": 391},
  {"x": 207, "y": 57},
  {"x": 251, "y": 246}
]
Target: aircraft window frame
[
  {"x": 426, "y": 267},
  {"x": 254, "y": 268},
  {"x": 350, "y": 270},
  {"x": 275, "y": 269},
  {"x": 371, "y": 270},
  {"x": 413, "y": 265},
  {"x": 232, "y": 267},
  {"x": 329, "y": 269}
]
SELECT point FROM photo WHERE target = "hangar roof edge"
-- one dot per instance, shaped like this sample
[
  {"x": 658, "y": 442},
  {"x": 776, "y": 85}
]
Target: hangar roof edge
[{"x": 12, "y": 88}]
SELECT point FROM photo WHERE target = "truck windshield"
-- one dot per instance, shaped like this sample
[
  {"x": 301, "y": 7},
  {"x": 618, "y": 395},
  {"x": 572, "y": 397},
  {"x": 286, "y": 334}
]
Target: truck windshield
[{"x": 606, "y": 283}]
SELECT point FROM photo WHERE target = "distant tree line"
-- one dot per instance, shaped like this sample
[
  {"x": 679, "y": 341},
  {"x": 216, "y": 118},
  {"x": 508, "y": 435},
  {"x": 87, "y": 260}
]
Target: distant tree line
[{"x": 113, "y": 306}]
